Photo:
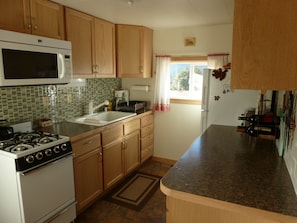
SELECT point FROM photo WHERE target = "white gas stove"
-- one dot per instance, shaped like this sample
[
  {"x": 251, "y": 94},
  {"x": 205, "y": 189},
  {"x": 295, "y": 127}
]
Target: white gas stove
[{"x": 38, "y": 182}]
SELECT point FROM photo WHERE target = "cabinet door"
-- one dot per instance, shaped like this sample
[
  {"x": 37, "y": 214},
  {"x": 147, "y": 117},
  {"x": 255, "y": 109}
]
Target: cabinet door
[
  {"x": 79, "y": 32},
  {"x": 264, "y": 45},
  {"x": 47, "y": 19},
  {"x": 15, "y": 15},
  {"x": 129, "y": 51},
  {"x": 88, "y": 178},
  {"x": 113, "y": 163},
  {"x": 132, "y": 151},
  {"x": 147, "y": 52},
  {"x": 104, "y": 48}
]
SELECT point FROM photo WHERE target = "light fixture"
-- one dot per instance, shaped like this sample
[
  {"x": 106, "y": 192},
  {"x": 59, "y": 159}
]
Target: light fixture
[{"x": 130, "y": 3}]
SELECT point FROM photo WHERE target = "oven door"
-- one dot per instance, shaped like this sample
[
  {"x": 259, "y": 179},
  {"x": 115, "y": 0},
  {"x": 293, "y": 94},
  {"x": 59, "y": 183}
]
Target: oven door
[{"x": 47, "y": 193}]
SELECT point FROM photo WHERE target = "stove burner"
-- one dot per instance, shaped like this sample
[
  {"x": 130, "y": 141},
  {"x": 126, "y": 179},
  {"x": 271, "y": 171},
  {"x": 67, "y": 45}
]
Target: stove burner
[
  {"x": 26, "y": 141},
  {"x": 46, "y": 139},
  {"x": 20, "y": 148},
  {"x": 6, "y": 143},
  {"x": 29, "y": 136}
]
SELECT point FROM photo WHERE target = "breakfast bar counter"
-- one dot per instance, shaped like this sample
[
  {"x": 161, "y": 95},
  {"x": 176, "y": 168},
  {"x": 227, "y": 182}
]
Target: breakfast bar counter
[{"x": 228, "y": 176}]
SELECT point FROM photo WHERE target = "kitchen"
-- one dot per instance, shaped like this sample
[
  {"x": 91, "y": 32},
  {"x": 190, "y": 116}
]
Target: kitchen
[{"x": 17, "y": 102}]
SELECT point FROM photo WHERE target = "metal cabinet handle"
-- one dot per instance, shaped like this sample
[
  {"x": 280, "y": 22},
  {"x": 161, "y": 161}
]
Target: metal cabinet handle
[{"x": 33, "y": 21}]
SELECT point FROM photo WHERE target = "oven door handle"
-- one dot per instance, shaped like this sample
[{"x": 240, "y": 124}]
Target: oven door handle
[{"x": 26, "y": 172}]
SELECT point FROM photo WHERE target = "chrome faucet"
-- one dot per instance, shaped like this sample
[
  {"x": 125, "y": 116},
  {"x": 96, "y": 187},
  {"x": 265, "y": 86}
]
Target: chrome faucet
[{"x": 92, "y": 108}]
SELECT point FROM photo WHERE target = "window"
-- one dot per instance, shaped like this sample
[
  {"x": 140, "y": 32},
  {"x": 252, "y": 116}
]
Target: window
[{"x": 186, "y": 79}]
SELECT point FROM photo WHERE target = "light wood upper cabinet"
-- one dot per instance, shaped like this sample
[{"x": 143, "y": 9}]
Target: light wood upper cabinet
[
  {"x": 264, "y": 45},
  {"x": 38, "y": 17},
  {"x": 134, "y": 51},
  {"x": 79, "y": 30},
  {"x": 104, "y": 48},
  {"x": 93, "y": 45}
]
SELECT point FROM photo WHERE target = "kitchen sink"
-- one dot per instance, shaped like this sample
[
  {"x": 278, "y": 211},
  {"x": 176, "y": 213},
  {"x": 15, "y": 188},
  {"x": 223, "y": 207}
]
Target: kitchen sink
[{"x": 102, "y": 118}]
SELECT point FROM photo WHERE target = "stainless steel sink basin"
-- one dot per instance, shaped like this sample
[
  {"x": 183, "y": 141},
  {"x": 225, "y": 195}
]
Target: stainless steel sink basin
[{"x": 102, "y": 118}]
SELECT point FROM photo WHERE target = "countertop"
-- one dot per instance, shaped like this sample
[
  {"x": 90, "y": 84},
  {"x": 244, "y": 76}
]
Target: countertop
[
  {"x": 76, "y": 130},
  {"x": 230, "y": 166}
]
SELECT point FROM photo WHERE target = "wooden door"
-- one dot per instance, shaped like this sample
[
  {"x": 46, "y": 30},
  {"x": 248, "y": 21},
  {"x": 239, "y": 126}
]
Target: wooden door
[
  {"x": 88, "y": 178},
  {"x": 79, "y": 28},
  {"x": 264, "y": 45},
  {"x": 129, "y": 51},
  {"x": 147, "y": 44},
  {"x": 113, "y": 163},
  {"x": 132, "y": 151},
  {"x": 47, "y": 19},
  {"x": 104, "y": 48},
  {"x": 15, "y": 15}
]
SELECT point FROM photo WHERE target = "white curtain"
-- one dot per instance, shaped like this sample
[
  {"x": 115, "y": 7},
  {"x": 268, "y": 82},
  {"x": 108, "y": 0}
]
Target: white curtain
[
  {"x": 216, "y": 61},
  {"x": 162, "y": 85}
]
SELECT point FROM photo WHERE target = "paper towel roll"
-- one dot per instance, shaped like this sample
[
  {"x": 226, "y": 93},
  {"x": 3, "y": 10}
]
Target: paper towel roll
[{"x": 145, "y": 88}]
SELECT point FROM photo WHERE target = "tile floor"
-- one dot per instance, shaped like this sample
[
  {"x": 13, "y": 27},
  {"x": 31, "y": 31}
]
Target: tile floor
[{"x": 153, "y": 212}]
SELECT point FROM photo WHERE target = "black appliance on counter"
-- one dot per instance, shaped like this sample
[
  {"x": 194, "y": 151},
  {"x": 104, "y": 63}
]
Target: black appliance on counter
[{"x": 131, "y": 106}]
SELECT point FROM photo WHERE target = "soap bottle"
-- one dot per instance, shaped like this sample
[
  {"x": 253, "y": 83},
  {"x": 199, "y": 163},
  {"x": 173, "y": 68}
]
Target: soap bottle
[{"x": 109, "y": 107}]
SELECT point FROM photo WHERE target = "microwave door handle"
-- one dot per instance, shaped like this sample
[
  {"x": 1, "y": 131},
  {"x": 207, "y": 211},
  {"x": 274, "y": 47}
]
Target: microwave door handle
[{"x": 62, "y": 64}]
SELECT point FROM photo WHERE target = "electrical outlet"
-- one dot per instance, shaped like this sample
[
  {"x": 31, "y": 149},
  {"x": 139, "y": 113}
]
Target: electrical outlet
[
  {"x": 45, "y": 101},
  {"x": 69, "y": 98}
]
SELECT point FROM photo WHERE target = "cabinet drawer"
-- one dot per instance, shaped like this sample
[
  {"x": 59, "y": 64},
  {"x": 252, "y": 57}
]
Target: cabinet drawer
[
  {"x": 148, "y": 130},
  {"x": 112, "y": 134},
  {"x": 86, "y": 145},
  {"x": 147, "y": 120},
  {"x": 146, "y": 153},
  {"x": 131, "y": 126},
  {"x": 147, "y": 141}
]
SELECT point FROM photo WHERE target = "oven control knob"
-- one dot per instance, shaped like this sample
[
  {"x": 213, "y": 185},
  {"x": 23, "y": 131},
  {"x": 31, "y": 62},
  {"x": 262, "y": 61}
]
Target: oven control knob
[
  {"x": 56, "y": 149},
  {"x": 48, "y": 152},
  {"x": 39, "y": 155},
  {"x": 30, "y": 159},
  {"x": 64, "y": 146}
]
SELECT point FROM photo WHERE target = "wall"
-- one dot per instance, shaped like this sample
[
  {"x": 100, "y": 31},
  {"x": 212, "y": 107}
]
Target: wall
[
  {"x": 58, "y": 102},
  {"x": 177, "y": 129}
]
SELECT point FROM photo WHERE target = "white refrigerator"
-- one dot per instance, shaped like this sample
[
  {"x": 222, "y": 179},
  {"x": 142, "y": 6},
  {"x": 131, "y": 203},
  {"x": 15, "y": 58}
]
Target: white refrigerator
[{"x": 220, "y": 104}]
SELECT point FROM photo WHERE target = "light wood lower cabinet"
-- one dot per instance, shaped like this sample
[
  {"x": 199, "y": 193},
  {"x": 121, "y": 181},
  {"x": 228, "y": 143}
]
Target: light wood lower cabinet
[
  {"x": 88, "y": 174},
  {"x": 131, "y": 151},
  {"x": 147, "y": 137},
  {"x": 121, "y": 151},
  {"x": 103, "y": 158},
  {"x": 113, "y": 163}
]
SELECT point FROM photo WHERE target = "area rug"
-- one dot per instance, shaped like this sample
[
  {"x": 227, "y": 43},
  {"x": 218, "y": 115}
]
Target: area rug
[{"x": 135, "y": 191}]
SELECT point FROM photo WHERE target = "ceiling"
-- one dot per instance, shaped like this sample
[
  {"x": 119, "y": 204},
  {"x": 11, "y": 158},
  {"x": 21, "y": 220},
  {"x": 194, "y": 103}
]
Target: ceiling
[{"x": 157, "y": 14}]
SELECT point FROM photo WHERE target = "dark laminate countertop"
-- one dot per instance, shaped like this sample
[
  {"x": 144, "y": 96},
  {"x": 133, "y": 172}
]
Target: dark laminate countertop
[{"x": 226, "y": 165}]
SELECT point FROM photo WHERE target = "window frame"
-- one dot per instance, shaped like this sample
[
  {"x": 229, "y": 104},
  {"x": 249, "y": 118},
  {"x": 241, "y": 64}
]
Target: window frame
[{"x": 187, "y": 59}]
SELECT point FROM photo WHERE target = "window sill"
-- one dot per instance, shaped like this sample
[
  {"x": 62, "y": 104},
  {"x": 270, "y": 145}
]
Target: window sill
[{"x": 185, "y": 101}]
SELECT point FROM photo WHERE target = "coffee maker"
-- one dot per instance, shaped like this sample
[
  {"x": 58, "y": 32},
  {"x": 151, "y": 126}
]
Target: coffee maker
[
  {"x": 121, "y": 98},
  {"x": 122, "y": 103}
]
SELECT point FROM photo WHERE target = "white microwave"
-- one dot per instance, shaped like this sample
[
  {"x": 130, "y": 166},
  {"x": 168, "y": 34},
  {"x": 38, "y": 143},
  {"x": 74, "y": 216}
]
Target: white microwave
[{"x": 33, "y": 60}]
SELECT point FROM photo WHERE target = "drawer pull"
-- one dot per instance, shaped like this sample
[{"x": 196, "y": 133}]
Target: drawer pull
[{"x": 88, "y": 142}]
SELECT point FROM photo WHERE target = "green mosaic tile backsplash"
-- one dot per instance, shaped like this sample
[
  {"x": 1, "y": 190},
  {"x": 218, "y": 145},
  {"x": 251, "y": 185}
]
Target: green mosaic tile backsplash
[{"x": 58, "y": 102}]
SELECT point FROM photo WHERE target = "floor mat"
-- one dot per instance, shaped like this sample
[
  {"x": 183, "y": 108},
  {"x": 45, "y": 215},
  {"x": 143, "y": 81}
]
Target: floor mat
[{"x": 135, "y": 191}]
